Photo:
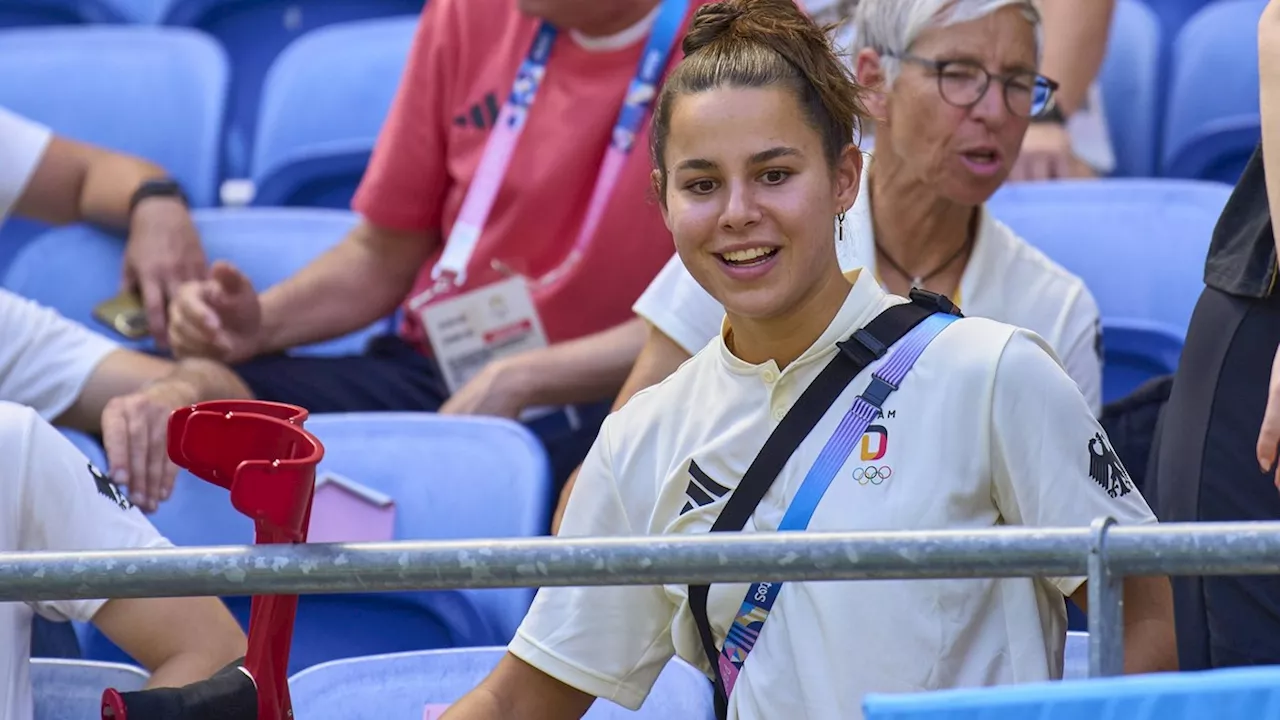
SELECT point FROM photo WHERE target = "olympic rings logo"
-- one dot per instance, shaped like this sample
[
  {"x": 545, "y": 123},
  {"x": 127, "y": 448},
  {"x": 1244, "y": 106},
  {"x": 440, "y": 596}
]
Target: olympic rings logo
[{"x": 872, "y": 475}]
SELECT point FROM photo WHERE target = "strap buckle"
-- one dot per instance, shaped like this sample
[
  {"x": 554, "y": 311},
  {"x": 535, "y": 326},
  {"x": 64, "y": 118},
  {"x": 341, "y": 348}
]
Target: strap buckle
[
  {"x": 863, "y": 348},
  {"x": 934, "y": 301},
  {"x": 878, "y": 391}
]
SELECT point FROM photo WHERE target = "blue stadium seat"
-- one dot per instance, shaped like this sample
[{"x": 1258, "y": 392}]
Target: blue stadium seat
[
  {"x": 27, "y": 13},
  {"x": 1136, "y": 351},
  {"x": 1130, "y": 80},
  {"x": 323, "y": 104},
  {"x": 159, "y": 93},
  {"x": 72, "y": 689},
  {"x": 1173, "y": 13},
  {"x": 1139, "y": 245},
  {"x": 72, "y": 269},
  {"x": 450, "y": 478},
  {"x": 402, "y": 685},
  {"x": 1235, "y": 694},
  {"x": 1212, "y": 122},
  {"x": 254, "y": 32}
]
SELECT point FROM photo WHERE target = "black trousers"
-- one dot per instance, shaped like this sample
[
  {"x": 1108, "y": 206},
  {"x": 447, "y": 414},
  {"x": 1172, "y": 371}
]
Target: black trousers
[{"x": 1206, "y": 470}]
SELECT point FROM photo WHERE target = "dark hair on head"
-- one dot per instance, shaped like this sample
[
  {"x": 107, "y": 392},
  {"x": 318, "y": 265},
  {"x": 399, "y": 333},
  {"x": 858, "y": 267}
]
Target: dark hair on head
[{"x": 762, "y": 43}]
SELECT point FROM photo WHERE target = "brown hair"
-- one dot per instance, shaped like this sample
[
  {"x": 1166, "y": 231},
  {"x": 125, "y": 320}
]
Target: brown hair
[{"x": 762, "y": 43}]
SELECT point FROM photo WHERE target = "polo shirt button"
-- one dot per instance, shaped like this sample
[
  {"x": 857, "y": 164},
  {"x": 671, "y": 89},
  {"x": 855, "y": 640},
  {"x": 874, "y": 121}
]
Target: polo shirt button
[
  {"x": 779, "y": 413},
  {"x": 770, "y": 377}
]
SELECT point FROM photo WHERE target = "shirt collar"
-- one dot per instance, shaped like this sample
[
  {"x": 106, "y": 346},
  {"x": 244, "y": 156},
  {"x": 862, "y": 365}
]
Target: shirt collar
[
  {"x": 860, "y": 306},
  {"x": 859, "y": 246}
]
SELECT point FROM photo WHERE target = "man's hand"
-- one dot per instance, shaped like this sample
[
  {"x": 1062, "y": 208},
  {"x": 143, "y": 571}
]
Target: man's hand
[
  {"x": 134, "y": 435},
  {"x": 219, "y": 318},
  {"x": 163, "y": 252},
  {"x": 1047, "y": 155},
  {"x": 1269, "y": 435},
  {"x": 499, "y": 390}
]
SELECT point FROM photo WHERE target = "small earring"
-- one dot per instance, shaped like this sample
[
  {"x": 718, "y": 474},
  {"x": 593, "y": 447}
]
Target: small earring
[{"x": 840, "y": 219}]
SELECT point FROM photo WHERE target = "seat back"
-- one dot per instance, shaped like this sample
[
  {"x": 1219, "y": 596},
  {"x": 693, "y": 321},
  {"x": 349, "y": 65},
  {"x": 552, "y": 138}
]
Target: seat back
[
  {"x": 153, "y": 92},
  {"x": 72, "y": 269},
  {"x": 1139, "y": 245},
  {"x": 1130, "y": 80},
  {"x": 1235, "y": 694},
  {"x": 1212, "y": 122},
  {"x": 402, "y": 685},
  {"x": 1135, "y": 352},
  {"x": 72, "y": 689},
  {"x": 28, "y": 13},
  {"x": 323, "y": 105},
  {"x": 254, "y": 32}
]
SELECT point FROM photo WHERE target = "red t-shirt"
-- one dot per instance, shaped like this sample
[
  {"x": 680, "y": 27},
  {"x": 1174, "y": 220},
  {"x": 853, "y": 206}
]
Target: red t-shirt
[{"x": 460, "y": 71}]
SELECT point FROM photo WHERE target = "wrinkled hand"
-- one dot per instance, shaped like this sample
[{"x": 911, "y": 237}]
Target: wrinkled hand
[
  {"x": 134, "y": 429},
  {"x": 219, "y": 318},
  {"x": 1047, "y": 155},
  {"x": 498, "y": 391},
  {"x": 162, "y": 253}
]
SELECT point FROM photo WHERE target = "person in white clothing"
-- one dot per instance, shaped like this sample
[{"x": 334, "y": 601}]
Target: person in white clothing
[
  {"x": 69, "y": 374},
  {"x": 753, "y": 162},
  {"x": 55, "y": 500},
  {"x": 919, "y": 219}
]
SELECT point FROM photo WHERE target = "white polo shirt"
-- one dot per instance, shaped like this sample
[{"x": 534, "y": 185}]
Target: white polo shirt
[
  {"x": 53, "y": 500},
  {"x": 45, "y": 359},
  {"x": 1006, "y": 279},
  {"x": 22, "y": 144},
  {"x": 986, "y": 430}
]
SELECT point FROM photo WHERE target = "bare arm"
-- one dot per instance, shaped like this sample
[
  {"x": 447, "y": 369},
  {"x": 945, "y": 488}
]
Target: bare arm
[
  {"x": 180, "y": 640},
  {"x": 659, "y": 357},
  {"x": 1269, "y": 102},
  {"x": 1149, "y": 641},
  {"x": 78, "y": 182},
  {"x": 1075, "y": 44},
  {"x": 584, "y": 370},
  {"x": 516, "y": 690},
  {"x": 361, "y": 279}
]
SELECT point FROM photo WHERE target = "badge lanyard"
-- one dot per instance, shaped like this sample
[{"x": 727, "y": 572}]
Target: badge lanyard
[
  {"x": 474, "y": 214},
  {"x": 746, "y": 627}
]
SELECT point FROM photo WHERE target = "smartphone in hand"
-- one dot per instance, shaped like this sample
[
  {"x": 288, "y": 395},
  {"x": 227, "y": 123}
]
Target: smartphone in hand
[{"x": 124, "y": 315}]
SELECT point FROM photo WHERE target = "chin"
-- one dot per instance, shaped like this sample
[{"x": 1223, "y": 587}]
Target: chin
[{"x": 974, "y": 191}]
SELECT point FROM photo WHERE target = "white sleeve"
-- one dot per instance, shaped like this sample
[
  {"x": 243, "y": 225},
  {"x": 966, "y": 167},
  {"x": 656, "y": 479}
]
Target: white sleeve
[
  {"x": 678, "y": 306},
  {"x": 1081, "y": 348},
  {"x": 1052, "y": 464},
  {"x": 45, "y": 359},
  {"x": 66, "y": 504},
  {"x": 22, "y": 144},
  {"x": 609, "y": 642}
]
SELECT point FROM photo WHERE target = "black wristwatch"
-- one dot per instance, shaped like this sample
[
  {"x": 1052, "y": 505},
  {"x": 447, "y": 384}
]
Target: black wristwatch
[
  {"x": 1053, "y": 115},
  {"x": 160, "y": 187}
]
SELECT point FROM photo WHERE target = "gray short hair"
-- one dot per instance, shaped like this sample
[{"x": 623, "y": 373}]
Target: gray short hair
[{"x": 892, "y": 26}]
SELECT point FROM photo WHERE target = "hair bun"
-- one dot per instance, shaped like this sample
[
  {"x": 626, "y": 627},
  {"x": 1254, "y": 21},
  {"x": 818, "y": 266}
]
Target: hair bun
[{"x": 711, "y": 23}]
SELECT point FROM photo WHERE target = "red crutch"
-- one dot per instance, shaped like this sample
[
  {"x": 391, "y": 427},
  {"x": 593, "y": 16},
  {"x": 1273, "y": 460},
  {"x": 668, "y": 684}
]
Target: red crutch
[{"x": 263, "y": 455}]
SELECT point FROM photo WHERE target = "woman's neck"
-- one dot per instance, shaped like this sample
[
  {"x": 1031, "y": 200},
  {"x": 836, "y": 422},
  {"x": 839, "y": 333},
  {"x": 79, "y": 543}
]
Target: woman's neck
[
  {"x": 921, "y": 233},
  {"x": 784, "y": 339}
]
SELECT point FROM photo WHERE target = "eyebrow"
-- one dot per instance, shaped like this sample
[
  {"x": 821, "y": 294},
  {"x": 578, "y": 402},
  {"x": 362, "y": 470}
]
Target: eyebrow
[
  {"x": 760, "y": 157},
  {"x": 974, "y": 60}
]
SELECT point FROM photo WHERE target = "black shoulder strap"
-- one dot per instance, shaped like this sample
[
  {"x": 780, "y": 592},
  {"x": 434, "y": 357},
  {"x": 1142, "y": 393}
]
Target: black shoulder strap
[{"x": 856, "y": 353}]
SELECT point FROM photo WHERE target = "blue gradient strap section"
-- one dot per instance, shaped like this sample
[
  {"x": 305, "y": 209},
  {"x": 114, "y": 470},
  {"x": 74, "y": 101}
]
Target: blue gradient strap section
[{"x": 866, "y": 408}]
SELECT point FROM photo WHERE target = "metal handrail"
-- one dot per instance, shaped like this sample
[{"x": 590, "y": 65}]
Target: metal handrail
[{"x": 1104, "y": 553}]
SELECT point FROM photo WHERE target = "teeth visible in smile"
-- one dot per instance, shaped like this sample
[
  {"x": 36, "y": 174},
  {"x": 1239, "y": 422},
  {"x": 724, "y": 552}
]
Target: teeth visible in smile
[{"x": 742, "y": 256}]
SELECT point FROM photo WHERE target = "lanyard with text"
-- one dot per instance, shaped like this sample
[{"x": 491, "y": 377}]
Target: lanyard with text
[
  {"x": 745, "y": 630},
  {"x": 474, "y": 214},
  {"x": 468, "y": 331}
]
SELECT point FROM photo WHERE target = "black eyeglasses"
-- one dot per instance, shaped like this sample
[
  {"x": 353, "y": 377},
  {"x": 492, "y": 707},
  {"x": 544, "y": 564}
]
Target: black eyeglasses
[{"x": 963, "y": 83}]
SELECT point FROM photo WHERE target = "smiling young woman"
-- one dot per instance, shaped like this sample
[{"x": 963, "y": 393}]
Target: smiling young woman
[{"x": 975, "y": 425}]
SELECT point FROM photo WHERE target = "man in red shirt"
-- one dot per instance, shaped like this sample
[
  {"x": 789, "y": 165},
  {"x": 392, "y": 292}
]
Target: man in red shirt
[{"x": 566, "y": 258}]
